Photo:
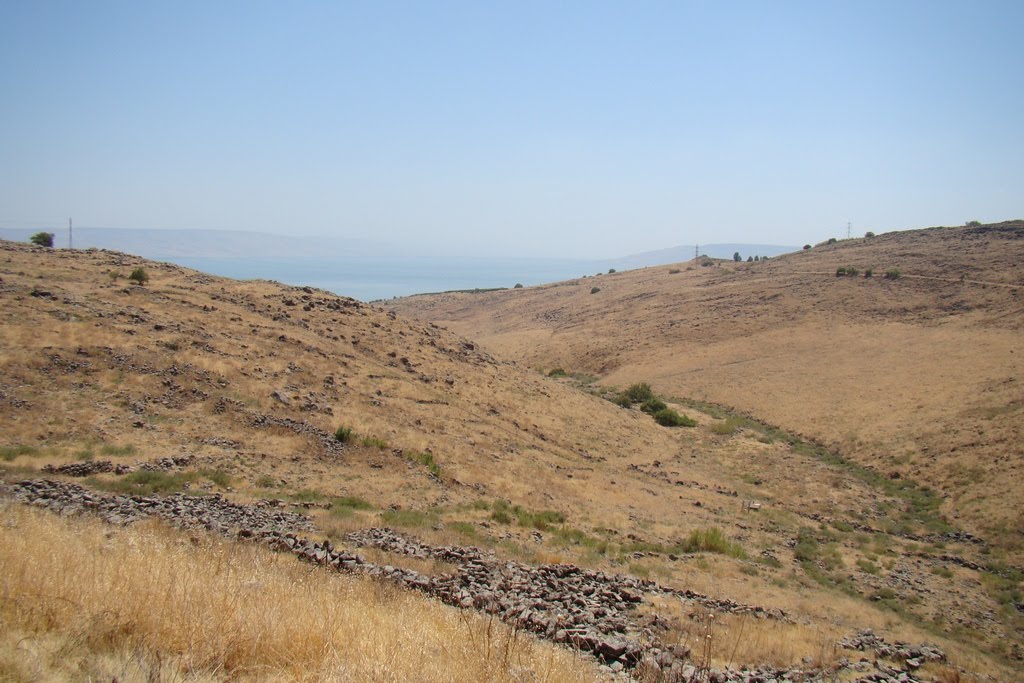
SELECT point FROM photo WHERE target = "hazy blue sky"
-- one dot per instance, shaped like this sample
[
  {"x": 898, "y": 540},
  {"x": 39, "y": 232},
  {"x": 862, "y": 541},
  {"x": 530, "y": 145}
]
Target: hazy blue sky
[{"x": 576, "y": 129}]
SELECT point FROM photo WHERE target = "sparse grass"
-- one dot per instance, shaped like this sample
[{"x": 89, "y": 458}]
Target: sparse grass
[
  {"x": 344, "y": 434},
  {"x": 350, "y": 503},
  {"x": 207, "y": 610},
  {"x": 9, "y": 453},
  {"x": 146, "y": 482},
  {"x": 265, "y": 481},
  {"x": 374, "y": 442},
  {"x": 712, "y": 540},
  {"x": 409, "y": 519},
  {"x": 504, "y": 513},
  {"x": 868, "y": 566},
  {"x": 113, "y": 451},
  {"x": 726, "y": 427},
  {"x": 427, "y": 460}
]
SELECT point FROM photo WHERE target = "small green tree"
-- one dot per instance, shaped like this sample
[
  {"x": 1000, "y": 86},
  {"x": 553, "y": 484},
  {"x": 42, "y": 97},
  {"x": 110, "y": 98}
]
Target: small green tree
[
  {"x": 736, "y": 257},
  {"x": 139, "y": 276},
  {"x": 750, "y": 259},
  {"x": 42, "y": 239}
]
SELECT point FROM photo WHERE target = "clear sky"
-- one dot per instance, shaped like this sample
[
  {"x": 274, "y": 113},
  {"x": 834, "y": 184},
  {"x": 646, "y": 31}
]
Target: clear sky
[{"x": 571, "y": 129}]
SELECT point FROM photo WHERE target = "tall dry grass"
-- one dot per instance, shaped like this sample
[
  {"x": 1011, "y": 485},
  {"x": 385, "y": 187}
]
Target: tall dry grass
[{"x": 79, "y": 599}]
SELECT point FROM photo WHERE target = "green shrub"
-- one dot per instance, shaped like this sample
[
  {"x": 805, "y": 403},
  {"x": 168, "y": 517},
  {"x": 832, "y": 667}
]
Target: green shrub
[
  {"x": 840, "y": 271},
  {"x": 653, "y": 405},
  {"x": 595, "y": 290},
  {"x": 673, "y": 271},
  {"x": 139, "y": 276},
  {"x": 832, "y": 240},
  {"x": 557, "y": 372},
  {"x": 892, "y": 274},
  {"x": 265, "y": 481},
  {"x": 42, "y": 239},
  {"x": 344, "y": 434},
  {"x": 667, "y": 417},
  {"x": 374, "y": 442},
  {"x": 519, "y": 285},
  {"x": 806, "y": 247},
  {"x": 639, "y": 392},
  {"x": 622, "y": 400},
  {"x": 869, "y": 234},
  {"x": 611, "y": 271},
  {"x": 869, "y": 272}
]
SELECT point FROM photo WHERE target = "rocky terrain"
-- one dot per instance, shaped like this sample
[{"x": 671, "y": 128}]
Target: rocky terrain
[{"x": 590, "y": 611}]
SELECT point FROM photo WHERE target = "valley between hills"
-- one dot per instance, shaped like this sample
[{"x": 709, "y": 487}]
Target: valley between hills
[{"x": 846, "y": 458}]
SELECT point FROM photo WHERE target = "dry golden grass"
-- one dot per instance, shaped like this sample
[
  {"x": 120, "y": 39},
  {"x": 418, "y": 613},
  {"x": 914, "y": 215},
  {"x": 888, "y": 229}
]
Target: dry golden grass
[{"x": 78, "y": 597}]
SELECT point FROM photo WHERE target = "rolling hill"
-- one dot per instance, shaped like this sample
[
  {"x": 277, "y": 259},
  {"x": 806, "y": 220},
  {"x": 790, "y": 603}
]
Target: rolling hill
[{"x": 278, "y": 397}]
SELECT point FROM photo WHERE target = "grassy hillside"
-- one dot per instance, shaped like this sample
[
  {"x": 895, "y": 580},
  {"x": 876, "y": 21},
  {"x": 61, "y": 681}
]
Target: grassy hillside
[
  {"x": 917, "y": 375},
  {"x": 300, "y": 399}
]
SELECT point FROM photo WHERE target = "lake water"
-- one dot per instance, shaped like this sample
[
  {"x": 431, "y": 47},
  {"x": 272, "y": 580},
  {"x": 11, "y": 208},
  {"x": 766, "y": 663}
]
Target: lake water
[{"x": 370, "y": 280}]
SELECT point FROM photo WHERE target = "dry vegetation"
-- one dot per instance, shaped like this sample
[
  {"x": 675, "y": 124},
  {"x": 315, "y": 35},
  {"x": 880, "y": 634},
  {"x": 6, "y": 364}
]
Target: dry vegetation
[
  {"x": 252, "y": 379},
  {"x": 81, "y": 600}
]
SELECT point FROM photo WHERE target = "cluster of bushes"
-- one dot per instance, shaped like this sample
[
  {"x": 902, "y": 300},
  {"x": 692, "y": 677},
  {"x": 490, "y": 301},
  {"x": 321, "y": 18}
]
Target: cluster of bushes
[
  {"x": 503, "y": 512},
  {"x": 642, "y": 395}
]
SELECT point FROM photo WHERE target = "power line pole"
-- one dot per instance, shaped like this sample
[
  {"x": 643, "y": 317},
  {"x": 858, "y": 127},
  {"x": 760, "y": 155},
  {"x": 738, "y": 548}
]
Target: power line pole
[
  {"x": 71, "y": 240},
  {"x": 848, "y": 226},
  {"x": 696, "y": 251}
]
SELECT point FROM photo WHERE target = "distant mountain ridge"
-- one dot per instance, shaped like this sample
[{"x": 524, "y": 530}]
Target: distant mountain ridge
[{"x": 241, "y": 244}]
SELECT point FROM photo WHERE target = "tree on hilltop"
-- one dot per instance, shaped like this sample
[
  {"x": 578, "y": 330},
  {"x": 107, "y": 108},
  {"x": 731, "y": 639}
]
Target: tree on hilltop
[
  {"x": 736, "y": 257},
  {"x": 42, "y": 239}
]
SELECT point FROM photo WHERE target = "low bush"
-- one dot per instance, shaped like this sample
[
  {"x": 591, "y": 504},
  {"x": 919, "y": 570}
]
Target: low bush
[
  {"x": 139, "y": 276},
  {"x": 344, "y": 434},
  {"x": 639, "y": 392},
  {"x": 667, "y": 417},
  {"x": 595, "y": 290},
  {"x": 653, "y": 405},
  {"x": 892, "y": 274},
  {"x": 557, "y": 372}
]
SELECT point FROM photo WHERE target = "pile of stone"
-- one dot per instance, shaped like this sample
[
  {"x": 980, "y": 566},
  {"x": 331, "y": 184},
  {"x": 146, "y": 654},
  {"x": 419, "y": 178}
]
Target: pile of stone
[
  {"x": 213, "y": 513},
  {"x": 911, "y": 657},
  {"x": 167, "y": 464},
  {"x": 87, "y": 468}
]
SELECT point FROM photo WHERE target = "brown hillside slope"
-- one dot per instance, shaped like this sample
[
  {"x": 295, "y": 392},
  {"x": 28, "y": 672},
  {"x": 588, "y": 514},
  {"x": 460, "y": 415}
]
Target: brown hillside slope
[
  {"x": 248, "y": 381},
  {"x": 919, "y": 375}
]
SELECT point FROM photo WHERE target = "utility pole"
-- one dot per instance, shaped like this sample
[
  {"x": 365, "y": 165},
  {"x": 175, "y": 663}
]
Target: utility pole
[
  {"x": 71, "y": 241},
  {"x": 696, "y": 251},
  {"x": 848, "y": 226}
]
